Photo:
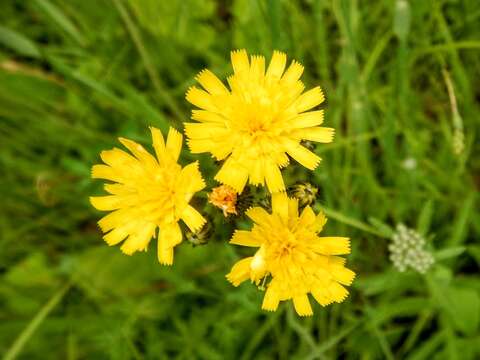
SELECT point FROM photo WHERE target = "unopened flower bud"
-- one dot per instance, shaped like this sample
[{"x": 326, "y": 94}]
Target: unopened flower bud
[{"x": 304, "y": 192}]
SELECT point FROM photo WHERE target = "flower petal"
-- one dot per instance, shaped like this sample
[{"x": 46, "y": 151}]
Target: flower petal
[
  {"x": 244, "y": 238},
  {"x": 277, "y": 65},
  {"x": 309, "y": 99},
  {"x": 192, "y": 218},
  {"x": 240, "y": 271},
  {"x": 170, "y": 235},
  {"x": 302, "y": 305},
  {"x": 174, "y": 143},
  {"x": 270, "y": 300},
  {"x": 280, "y": 205},
  {"x": 239, "y": 60},
  {"x": 211, "y": 83}
]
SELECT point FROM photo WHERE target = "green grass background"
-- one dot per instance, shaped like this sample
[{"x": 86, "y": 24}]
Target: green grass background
[{"x": 75, "y": 75}]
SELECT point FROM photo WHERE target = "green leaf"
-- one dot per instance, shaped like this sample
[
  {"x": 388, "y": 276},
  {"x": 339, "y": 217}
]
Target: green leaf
[
  {"x": 449, "y": 252},
  {"x": 61, "y": 19},
  {"x": 460, "y": 228},
  {"x": 408, "y": 306},
  {"x": 464, "y": 309},
  {"x": 32, "y": 271},
  {"x": 386, "y": 281},
  {"x": 18, "y": 43},
  {"x": 425, "y": 218},
  {"x": 382, "y": 227}
]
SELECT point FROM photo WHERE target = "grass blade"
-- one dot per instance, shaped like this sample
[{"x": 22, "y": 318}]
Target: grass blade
[{"x": 28, "y": 332}]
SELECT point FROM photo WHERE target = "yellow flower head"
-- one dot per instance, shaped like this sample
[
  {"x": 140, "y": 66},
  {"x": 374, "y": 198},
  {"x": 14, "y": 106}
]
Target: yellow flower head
[
  {"x": 147, "y": 193},
  {"x": 257, "y": 122},
  {"x": 294, "y": 256}
]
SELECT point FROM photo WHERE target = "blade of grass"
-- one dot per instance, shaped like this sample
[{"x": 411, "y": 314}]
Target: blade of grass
[
  {"x": 18, "y": 43},
  {"x": 260, "y": 334},
  {"x": 147, "y": 61},
  {"x": 37, "y": 320},
  {"x": 334, "y": 340},
  {"x": 54, "y": 13},
  {"x": 350, "y": 221}
]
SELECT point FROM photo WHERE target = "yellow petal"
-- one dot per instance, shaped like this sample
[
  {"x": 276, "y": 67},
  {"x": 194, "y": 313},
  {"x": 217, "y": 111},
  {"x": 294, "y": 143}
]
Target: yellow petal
[
  {"x": 118, "y": 234},
  {"x": 170, "y": 235},
  {"x": 174, "y": 143},
  {"x": 118, "y": 158},
  {"x": 198, "y": 146},
  {"x": 336, "y": 261},
  {"x": 273, "y": 178},
  {"x": 158, "y": 144},
  {"x": 118, "y": 189},
  {"x": 192, "y": 218},
  {"x": 239, "y": 61},
  {"x": 322, "y": 296},
  {"x": 270, "y": 300},
  {"x": 342, "y": 274},
  {"x": 277, "y": 65},
  {"x": 211, "y": 83},
  {"x": 320, "y": 222},
  {"x": 244, "y": 238},
  {"x": 282, "y": 159},
  {"x": 302, "y": 305},
  {"x": 331, "y": 245},
  {"x": 293, "y": 73},
  {"x": 165, "y": 255},
  {"x": 338, "y": 292},
  {"x": 190, "y": 178},
  {"x": 256, "y": 172},
  {"x": 205, "y": 130},
  {"x": 105, "y": 172},
  {"x": 307, "y": 218},
  {"x": 302, "y": 155},
  {"x": 257, "y": 66},
  {"x": 258, "y": 215},
  {"x": 106, "y": 203},
  {"x": 309, "y": 99},
  {"x": 258, "y": 266},
  {"x": 233, "y": 174},
  {"x": 201, "y": 99},
  {"x": 138, "y": 240},
  {"x": 317, "y": 134},
  {"x": 240, "y": 271},
  {"x": 280, "y": 205},
  {"x": 114, "y": 219},
  {"x": 139, "y": 151},
  {"x": 207, "y": 116},
  {"x": 308, "y": 119},
  {"x": 292, "y": 208}
]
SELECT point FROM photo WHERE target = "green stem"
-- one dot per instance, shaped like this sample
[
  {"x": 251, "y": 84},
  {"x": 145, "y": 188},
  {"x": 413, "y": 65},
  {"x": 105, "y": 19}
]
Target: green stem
[
  {"x": 152, "y": 72},
  {"x": 28, "y": 332}
]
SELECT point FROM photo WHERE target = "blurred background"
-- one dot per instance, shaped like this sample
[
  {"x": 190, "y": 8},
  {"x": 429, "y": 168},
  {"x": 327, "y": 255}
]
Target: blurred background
[{"x": 402, "y": 85}]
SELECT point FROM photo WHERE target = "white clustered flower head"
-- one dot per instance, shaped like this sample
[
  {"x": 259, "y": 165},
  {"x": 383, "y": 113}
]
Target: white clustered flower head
[{"x": 407, "y": 251}]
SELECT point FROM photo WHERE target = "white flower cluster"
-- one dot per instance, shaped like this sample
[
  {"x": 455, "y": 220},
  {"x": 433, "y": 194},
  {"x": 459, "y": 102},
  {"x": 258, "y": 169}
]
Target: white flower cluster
[{"x": 407, "y": 251}]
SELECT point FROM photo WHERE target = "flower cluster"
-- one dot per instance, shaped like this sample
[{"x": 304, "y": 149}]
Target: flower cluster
[
  {"x": 253, "y": 126},
  {"x": 407, "y": 251}
]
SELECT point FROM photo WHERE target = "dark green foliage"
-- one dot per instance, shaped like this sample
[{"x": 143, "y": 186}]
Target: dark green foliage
[{"x": 75, "y": 75}]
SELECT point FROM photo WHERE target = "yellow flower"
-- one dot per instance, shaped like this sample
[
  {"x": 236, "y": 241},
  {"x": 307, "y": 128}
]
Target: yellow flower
[
  {"x": 291, "y": 253},
  {"x": 147, "y": 193},
  {"x": 257, "y": 122}
]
